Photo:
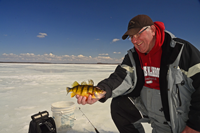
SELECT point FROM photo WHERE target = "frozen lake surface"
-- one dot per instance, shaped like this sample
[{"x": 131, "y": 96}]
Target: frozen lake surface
[{"x": 26, "y": 89}]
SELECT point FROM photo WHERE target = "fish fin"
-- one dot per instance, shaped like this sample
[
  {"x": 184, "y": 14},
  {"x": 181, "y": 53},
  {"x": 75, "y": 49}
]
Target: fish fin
[
  {"x": 89, "y": 93},
  {"x": 75, "y": 84},
  {"x": 90, "y": 82},
  {"x": 95, "y": 95},
  {"x": 83, "y": 83},
  {"x": 73, "y": 94},
  {"x": 99, "y": 95}
]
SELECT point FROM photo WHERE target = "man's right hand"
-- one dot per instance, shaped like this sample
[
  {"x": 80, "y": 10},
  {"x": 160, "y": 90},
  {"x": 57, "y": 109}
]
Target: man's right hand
[{"x": 83, "y": 100}]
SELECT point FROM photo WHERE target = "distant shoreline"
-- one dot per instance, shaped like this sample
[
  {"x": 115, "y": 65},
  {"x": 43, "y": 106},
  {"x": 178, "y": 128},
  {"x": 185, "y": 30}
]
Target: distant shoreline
[{"x": 99, "y": 63}]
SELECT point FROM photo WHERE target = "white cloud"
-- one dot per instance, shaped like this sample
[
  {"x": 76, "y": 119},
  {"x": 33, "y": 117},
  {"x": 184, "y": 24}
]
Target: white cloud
[
  {"x": 8, "y": 55},
  {"x": 115, "y": 40},
  {"x": 28, "y": 54},
  {"x": 42, "y": 35},
  {"x": 52, "y": 55},
  {"x": 104, "y": 57},
  {"x": 103, "y": 54},
  {"x": 65, "y": 55},
  {"x": 81, "y": 56},
  {"x": 31, "y": 57},
  {"x": 117, "y": 52}
]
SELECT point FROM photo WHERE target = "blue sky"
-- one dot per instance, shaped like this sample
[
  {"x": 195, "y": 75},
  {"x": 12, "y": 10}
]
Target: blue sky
[{"x": 85, "y": 31}]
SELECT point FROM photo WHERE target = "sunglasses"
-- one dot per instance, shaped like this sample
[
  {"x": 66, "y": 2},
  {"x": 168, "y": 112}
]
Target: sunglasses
[{"x": 136, "y": 36}]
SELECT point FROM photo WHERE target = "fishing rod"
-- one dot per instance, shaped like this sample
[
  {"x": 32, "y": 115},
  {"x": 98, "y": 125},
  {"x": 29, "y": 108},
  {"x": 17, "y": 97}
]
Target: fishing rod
[{"x": 89, "y": 121}]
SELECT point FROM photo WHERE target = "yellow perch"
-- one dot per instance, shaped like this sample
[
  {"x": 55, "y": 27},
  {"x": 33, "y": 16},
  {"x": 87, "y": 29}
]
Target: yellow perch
[{"x": 85, "y": 89}]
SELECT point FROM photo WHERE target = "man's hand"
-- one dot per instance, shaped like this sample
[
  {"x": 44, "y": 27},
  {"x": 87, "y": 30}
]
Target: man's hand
[
  {"x": 83, "y": 100},
  {"x": 189, "y": 130}
]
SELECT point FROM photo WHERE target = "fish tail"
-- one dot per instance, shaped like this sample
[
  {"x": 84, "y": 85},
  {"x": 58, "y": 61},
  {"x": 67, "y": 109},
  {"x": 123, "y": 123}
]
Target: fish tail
[{"x": 68, "y": 89}]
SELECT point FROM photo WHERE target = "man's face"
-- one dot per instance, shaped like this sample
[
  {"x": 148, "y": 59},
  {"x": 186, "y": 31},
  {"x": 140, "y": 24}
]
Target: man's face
[{"x": 144, "y": 42}]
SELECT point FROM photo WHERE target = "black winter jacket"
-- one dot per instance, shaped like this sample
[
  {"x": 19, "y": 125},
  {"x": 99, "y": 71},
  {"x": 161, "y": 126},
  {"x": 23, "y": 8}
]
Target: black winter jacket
[{"x": 189, "y": 64}]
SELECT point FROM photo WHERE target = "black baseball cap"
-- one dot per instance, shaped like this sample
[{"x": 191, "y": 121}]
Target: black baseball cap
[{"x": 136, "y": 24}]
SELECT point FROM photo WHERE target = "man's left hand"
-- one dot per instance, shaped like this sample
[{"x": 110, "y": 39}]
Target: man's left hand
[{"x": 189, "y": 130}]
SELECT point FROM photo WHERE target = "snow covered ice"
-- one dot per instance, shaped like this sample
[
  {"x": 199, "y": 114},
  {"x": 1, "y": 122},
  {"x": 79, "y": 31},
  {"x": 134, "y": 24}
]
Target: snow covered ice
[{"x": 26, "y": 89}]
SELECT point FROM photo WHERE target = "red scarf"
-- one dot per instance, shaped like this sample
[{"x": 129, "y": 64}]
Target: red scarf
[{"x": 150, "y": 62}]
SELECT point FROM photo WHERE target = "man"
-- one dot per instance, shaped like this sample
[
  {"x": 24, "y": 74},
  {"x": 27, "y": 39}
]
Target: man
[{"x": 160, "y": 77}]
